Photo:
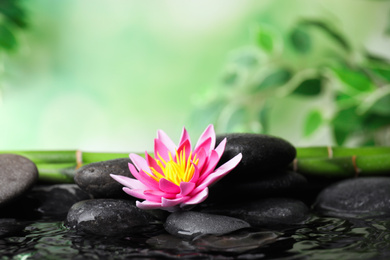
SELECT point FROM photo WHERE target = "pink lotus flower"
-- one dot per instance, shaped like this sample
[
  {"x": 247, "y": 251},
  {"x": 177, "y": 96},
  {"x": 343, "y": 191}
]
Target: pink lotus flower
[{"x": 178, "y": 178}]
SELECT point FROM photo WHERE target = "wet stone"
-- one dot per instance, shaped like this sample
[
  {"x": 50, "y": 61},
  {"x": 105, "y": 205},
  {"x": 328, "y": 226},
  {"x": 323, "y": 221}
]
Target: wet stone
[
  {"x": 238, "y": 243},
  {"x": 280, "y": 184},
  {"x": 94, "y": 178},
  {"x": 359, "y": 197},
  {"x": 56, "y": 200},
  {"x": 265, "y": 212},
  {"x": 9, "y": 226},
  {"x": 261, "y": 154},
  {"x": 17, "y": 175},
  {"x": 109, "y": 217},
  {"x": 190, "y": 224}
]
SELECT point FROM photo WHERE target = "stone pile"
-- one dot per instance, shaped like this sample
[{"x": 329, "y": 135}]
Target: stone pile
[{"x": 261, "y": 193}]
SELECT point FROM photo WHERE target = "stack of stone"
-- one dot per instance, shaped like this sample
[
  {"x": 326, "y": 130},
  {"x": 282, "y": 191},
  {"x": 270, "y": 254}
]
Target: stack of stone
[{"x": 261, "y": 192}]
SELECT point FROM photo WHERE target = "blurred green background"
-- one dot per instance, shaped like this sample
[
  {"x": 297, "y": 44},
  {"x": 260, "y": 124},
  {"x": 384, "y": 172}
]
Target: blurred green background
[{"x": 106, "y": 75}]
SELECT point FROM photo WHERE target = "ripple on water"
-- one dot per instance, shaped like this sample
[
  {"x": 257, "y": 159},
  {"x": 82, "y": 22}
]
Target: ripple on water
[{"x": 319, "y": 238}]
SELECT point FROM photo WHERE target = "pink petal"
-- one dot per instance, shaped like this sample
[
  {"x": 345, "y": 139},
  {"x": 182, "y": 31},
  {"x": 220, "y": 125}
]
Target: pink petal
[
  {"x": 153, "y": 164},
  {"x": 186, "y": 188},
  {"x": 202, "y": 157},
  {"x": 220, "y": 172},
  {"x": 148, "y": 205},
  {"x": 170, "y": 202},
  {"x": 143, "y": 177},
  {"x": 196, "y": 175},
  {"x": 135, "y": 193},
  {"x": 159, "y": 194},
  {"x": 169, "y": 187},
  {"x": 197, "y": 198},
  {"x": 129, "y": 182},
  {"x": 164, "y": 138},
  {"x": 208, "y": 133},
  {"x": 139, "y": 162},
  {"x": 206, "y": 145},
  {"x": 186, "y": 146},
  {"x": 221, "y": 147},
  {"x": 161, "y": 150},
  {"x": 210, "y": 166},
  {"x": 184, "y": 137}
]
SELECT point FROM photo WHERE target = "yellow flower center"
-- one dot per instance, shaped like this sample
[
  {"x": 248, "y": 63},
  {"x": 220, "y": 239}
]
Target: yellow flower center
[{"x": 177, "y": 171}]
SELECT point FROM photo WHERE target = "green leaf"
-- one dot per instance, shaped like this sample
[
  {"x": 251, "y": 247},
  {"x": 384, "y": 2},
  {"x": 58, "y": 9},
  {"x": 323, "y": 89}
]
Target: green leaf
[
  {"x": 340, "y": 135},
  {"x": 381, "y": 106},
  {"x": 354, "y": 80},
  {"x": 7, "y": 39},
  {"x": 382, "y": 71},
  {"x": 237, "y": 120},
  {"x": 300, "y": 40},
  {"x": 347, "y": 119},
  {"x": 263, "y": 116},
  {"x": 345, "y": 123},
  {"x": 13, "y": 13},
  {"x": 246, "y": 59},
  {"x": 332, "y": 32},
  {"x": 312, "y": 123},
  {"x": 374, "y": 122},
  {"x": 230, "y": 78},
  {"x": 309, "y": 87},
  {"x": 206, "y": 114},
  {"x": 387, "y": 31},
  {"x": 276, "y": 78},
  {"x": 266, "y": 39}
]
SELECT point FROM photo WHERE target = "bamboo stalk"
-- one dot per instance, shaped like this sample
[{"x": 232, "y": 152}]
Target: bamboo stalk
[
  {"x": 56, "y": 172},
  {"x": 344, "y": 167},
  {"x": 330, "y": 152},
  {"x": 327, "y": 162},
  {"x": 90, "y": 157},
  {"x": 47, "y": 156}
]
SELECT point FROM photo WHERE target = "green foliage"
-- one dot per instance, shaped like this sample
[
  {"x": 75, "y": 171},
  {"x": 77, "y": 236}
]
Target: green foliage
[
  {"x": 276, "y": 78},
  {"x": 313, "y": 122},
  {"x": 300, "y": 40},
  {"x": 309, "y": 87},
  {"x": 314, "y": 61},
  {"x": 12, "y": 19}
]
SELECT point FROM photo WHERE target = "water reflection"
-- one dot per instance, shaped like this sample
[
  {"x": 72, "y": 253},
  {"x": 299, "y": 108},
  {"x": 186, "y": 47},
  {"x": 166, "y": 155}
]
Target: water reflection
[{"x": 319, "y": 238}]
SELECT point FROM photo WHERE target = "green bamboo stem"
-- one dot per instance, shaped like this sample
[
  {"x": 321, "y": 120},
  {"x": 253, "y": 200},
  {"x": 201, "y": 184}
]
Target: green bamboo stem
[
  {"x": 344, "y": 167},
  {"x": 330, "y": 152},
  {"x": 47, "y": 156},
  {"x": 327, "y": 162},
  {"x": 90, "y": 157},
  {"x": 56, "y": 172}
]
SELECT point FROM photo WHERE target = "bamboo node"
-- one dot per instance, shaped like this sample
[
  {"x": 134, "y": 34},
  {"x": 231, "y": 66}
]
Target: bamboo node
[
  {"x": 295, "y": 165},
  {"x": 79, "y": 159},
  {"x": 330, "y": 152},
  {"x": 356, "y": 169}
]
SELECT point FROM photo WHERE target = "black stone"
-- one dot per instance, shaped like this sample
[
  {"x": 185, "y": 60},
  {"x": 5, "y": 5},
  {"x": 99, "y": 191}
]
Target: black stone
[
  {"x": 190, "y": 224},
  {"x": 359, "y": 197},
  {"x": 9, "y": 226},
  {"x": 17, "y": 175},
  {"x": 280, "y": 183},
  {"x": 265, "y": 212},
  {"x": 260, "y": 154},
  {"x": 109, "y": 217},
  {"x": 235, "y": 243},
  {"x": 95, "y": 179},
  {"x": 56, "y": 200}
]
